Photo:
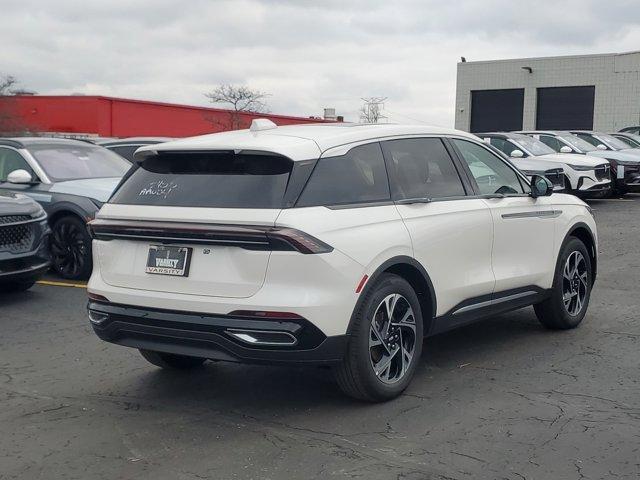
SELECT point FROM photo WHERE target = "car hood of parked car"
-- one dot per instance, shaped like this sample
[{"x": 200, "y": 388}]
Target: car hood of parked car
[
  {"x": 572, "y": 159},
  {"x": 97, "y": 188},
  {"x": 616, "y": 155},
  {"x": 534, "y": 164},
  {"x": 17, "y": 204}
]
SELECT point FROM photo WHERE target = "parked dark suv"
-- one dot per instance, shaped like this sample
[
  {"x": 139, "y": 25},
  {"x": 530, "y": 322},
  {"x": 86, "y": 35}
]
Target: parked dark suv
[
  {"x": 24, "y": 233},
  {"x": 71, "y": 180}
]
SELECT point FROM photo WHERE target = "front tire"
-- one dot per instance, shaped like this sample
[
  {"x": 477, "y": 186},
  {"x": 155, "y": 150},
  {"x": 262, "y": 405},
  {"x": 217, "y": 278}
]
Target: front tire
[
  {"x": 71, "y": 248},
  {"x": 571, "y": 291},
  {"x": 172, "y": 361},
  {"x": 385, "y": 342}
]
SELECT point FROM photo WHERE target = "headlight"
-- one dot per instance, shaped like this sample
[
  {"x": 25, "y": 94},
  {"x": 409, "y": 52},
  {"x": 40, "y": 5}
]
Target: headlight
[
  {"x": 580, "y": 168},
  {"x": 627, "y": 162},
  {"x": 39, "y": 212}
]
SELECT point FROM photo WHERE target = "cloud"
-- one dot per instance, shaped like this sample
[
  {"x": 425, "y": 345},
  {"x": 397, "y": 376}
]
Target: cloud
[{"x": 307, "y": 54}]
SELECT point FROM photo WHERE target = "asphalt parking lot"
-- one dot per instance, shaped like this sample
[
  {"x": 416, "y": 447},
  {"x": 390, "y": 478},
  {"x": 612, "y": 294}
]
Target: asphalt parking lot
[{"x": 500, "y": 399}]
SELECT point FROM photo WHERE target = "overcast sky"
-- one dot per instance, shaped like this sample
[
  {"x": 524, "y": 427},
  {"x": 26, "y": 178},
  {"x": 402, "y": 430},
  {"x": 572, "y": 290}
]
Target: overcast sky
[{"x": 308, "y": 54}]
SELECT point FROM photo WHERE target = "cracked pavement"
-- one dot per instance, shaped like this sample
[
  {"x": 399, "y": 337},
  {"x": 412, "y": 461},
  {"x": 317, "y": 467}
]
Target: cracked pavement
[{"x": 501, "y": 399}]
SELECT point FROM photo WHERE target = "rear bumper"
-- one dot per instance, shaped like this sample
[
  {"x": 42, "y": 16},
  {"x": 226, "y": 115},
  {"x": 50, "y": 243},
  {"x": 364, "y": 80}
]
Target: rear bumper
[{"x": 209, "y": 336}]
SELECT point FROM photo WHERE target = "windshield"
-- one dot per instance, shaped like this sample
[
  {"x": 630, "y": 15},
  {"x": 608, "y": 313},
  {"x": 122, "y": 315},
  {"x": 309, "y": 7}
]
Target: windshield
[
  {"x": 73, "y": 162},
  {"x": 613, "y": 142},
  {"x": 577, "y": 142},
  {"x": 207, "y": 179},
  {"x": 532, "y": 146}
]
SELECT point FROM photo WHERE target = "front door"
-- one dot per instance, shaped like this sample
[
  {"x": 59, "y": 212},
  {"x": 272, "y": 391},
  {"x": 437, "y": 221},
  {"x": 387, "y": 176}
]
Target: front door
[{"x": 524, "y": 229}]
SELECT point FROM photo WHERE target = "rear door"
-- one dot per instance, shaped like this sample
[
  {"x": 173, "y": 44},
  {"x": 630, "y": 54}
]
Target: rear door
[
  {"x": 451, "y": 232},
  {"x": 524, "y": 229},
  {"x": 226, "y": 195}
]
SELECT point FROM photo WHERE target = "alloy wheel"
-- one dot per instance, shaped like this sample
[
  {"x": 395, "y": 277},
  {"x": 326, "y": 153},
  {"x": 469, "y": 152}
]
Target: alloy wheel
[
  {"x": 392, "y": 338},
  {"x": 68, "y": 249},
  {"x": 574, "y": 283}
]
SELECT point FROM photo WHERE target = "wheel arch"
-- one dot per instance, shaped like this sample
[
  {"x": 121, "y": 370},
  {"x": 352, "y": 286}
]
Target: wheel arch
[
  {"x": 65, "y": 210},
  {"x": 415, "y": 274},
  {"x": 583, "y": 232}
]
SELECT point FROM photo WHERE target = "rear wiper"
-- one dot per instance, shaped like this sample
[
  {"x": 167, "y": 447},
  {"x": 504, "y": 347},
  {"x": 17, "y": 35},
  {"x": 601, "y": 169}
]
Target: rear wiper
[{"x": 409, "y": 201}]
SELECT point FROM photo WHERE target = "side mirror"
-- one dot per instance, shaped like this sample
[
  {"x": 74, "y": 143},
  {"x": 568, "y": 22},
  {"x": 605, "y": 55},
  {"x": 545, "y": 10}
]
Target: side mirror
[
  {"x": 601, "y": 147},
  {"x": 517, "y": 154},
  {"x": 540, "y": 186},
  {"x": 19, "y": 176},
  {"x": 565, "y": 149}
]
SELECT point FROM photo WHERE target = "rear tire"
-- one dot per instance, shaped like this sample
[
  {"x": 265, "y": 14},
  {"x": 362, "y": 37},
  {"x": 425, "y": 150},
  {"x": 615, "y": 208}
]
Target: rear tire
[
  {"x": 571, "y": 290},
  {"x": 171, "y": 361},
  {"x": 382, "y": 356}
]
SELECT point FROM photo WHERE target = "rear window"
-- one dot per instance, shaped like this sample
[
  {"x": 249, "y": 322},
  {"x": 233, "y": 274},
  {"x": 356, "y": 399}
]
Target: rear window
[
  {"x": 208, "y": 179},
  {"x": 359, "y": 176}
]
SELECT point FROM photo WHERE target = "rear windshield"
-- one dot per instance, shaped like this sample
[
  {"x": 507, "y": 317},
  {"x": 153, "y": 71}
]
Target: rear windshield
[{"x": 207, "y": 179}]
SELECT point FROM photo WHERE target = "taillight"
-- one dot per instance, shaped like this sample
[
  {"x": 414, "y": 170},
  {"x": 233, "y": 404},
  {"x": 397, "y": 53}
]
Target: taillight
[
  {"x": 302, "y": 242},
  {"x": 97, "y": 298}
]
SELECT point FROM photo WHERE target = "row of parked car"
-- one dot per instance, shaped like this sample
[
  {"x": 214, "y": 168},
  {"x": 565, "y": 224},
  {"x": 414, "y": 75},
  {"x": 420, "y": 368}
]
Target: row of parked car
[
  {"x": 585, "y": 163},
  {"x": 55, "y": 186}
]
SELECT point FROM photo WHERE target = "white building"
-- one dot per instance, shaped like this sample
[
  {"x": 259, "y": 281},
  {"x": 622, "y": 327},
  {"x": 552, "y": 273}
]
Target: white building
[{"x": 599, "y": 92}]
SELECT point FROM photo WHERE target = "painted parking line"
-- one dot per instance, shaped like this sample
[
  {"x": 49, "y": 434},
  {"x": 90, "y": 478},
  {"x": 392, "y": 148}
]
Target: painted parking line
[{"x": 61, "y": 284}]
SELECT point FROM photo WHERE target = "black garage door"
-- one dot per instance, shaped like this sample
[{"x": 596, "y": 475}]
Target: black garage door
[
  {"x": 565, "y": 108},
  {"x": 496, "y": 110}
]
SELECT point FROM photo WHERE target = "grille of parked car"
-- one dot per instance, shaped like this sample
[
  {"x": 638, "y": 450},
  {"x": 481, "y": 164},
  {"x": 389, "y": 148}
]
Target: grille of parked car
[
  {"x": 5, "y": 219},
  {"x": 556, "y": 177},
  {"x": 16, "y": 238},
  {"x": 603, "y": 172}
]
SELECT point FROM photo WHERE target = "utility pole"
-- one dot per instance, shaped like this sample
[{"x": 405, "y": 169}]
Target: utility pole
[{"x": 371, "y": 111}]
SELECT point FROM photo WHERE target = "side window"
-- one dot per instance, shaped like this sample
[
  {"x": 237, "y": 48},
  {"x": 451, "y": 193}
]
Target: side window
[
  {"x": 502, "y": 145},
  {"x": 421, "y": 167},
  {"x": 551, "y": 142},
  {"x": 11, "y": 160},
  {"x": 125, "y": 151},
  {"x": 491, "y": 173},
  {"x": 359, "y": 176},
  {"x": 589, "y": 139}
]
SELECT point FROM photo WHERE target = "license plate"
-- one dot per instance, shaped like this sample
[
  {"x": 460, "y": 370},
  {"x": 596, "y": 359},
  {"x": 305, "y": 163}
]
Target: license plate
[
  {"x": 167, "y": 260},
  {"x": 620, "y": 172}
]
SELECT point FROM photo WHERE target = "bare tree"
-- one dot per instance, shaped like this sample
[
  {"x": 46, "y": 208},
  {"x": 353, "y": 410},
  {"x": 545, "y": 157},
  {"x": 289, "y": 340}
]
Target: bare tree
[
  {"x": 240, "y": 99},
  {"x": 371, "y": 111},
  {"x": 7, "y": 84},
  {"x": 10, "y": 122}
]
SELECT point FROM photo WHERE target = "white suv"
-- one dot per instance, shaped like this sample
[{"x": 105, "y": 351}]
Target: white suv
[{"x": 334, "y": 244}]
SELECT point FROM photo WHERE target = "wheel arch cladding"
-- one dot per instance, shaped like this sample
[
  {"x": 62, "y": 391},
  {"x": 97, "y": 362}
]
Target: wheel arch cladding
[
  {"x": 415, "y": 274},
  {"x": 582, "y": 232},
  {"x": 63, "y": 212}
]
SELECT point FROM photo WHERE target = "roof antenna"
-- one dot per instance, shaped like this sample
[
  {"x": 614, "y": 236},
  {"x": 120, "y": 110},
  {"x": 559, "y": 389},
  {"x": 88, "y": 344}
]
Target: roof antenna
[{"x": 260, "y": 124}]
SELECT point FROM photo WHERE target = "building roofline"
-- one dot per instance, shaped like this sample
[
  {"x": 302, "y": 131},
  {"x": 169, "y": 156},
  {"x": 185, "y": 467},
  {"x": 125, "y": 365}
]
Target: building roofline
[
  {"x": 588, "y": 55},
  {"x": 172, "y": 105}
]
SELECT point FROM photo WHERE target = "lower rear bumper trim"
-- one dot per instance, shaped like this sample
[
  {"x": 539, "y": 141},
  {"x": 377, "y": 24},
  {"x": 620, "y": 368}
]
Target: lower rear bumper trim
[{"x": 201, "y": 335}]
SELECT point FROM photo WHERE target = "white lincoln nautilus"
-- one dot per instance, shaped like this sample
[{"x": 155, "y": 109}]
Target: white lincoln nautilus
[{"x": 335, "y": 244}]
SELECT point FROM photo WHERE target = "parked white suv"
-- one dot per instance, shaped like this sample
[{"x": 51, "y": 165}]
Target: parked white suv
[{"x": 334, "y": 244}]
